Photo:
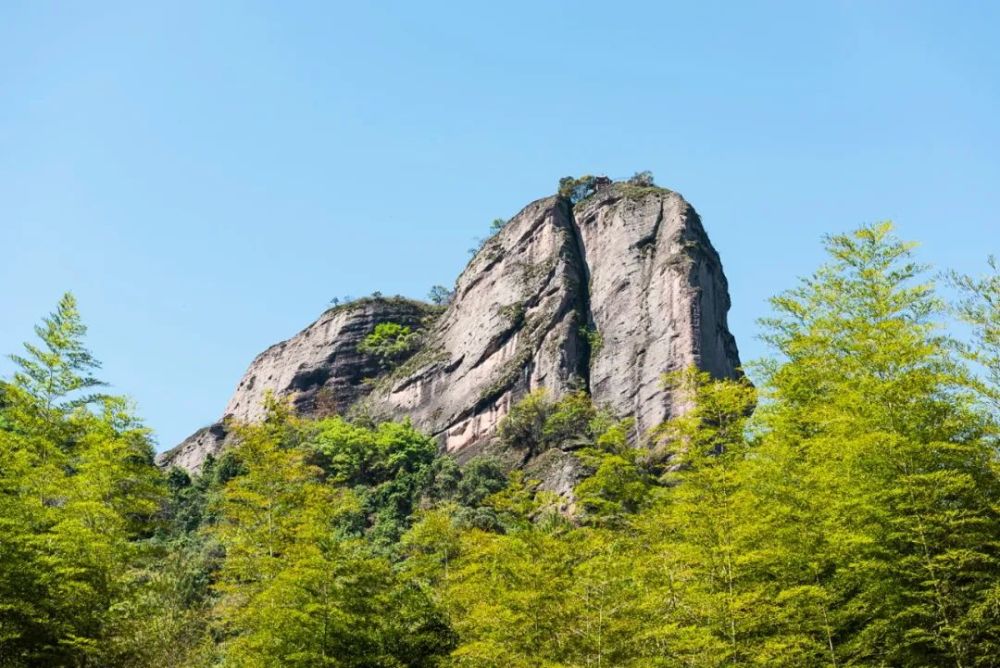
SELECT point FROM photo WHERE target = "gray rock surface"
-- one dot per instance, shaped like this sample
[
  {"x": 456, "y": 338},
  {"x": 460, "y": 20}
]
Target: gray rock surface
[
  {"x": 606, "y": 295},
  {"x": 513, "y": 326},
  {"x": 191, "y": 453},
  {"x": 658, "y": 298},
  {"x": 319, "y": 370}
]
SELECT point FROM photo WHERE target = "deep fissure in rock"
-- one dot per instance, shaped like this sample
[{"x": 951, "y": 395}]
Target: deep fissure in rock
[{"x": 586, "y": 314}]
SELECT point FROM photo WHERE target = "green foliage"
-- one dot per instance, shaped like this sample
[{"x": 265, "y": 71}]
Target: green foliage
[
  {"x": 695, "y": 530},
  {"x": 844, "y": 512},
  {"x": 540, "y": 593},
  {"x": 295, "y": 589},
  {"x": 440, "y": 295},
  {"x": 886, "y": 456},
  {"x": 481, "y": 242},
  {"x": 56, "y": 369},
  {"x": 979, "y": 307},
  {"x": 79, "y": 496},
  {"x": 537, "y": 423},
  {"x": 622, "y": 480},
  {"x": 389, "y": 466},
  {"x": 642, "y": 179},
  {"x": 513, "y": 314},
  {"x": 577, "y": 188},
  {"x": 390, "y": 342},
  {"x": 594, "y": 339},
  {"x": 523, "y": 428}
]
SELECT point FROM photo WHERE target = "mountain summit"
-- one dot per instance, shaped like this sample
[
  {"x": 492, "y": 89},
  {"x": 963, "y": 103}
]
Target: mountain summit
[{"x": 603, "y": 288}]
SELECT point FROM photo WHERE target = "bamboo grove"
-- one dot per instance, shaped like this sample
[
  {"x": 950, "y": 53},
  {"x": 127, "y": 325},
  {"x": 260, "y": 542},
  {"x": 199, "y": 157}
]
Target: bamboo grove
[{"x": 843, "y": 509}]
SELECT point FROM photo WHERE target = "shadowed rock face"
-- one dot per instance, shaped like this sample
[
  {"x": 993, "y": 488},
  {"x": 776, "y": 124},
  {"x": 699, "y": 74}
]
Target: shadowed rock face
[
  {"x": 606, "y": 295},
  {"x": 319, "y": 370}
]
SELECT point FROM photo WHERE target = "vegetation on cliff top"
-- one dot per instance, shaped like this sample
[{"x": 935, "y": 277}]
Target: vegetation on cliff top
[{"x": 577, "y": 189}]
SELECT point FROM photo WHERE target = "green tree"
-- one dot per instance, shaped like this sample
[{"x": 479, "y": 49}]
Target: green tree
[
  {"x": 537, "y": 423},
  {"x": 979, "y": 307},
  {"x": 79, "y": 494},
  {"x": 576, "y": 189},
  {"x": 389, "y": 342},
  {"x": 621, "y": 483},
  {"x": 389, "y": 467},
  {"x": 885, "y": 459},
  {"x": 439, "y": 295},
  {"x": 542, "y": 593},
  {"x": 59, "y": 367},
  {"x": 296, "y": 589},
  {"x": 700, "y": 589}
]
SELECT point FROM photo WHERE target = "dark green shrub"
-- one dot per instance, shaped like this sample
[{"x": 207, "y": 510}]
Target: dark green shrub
[
  {"x": 642, "y": 179},
  {"x": 576, "y": 189}
]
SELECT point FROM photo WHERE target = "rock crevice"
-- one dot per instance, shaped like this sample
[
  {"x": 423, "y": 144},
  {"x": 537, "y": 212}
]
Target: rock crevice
[{"x": 603, "y": 295}]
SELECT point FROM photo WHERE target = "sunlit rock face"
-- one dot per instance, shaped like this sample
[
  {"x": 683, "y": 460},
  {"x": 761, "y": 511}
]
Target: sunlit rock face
[
  {"x": 658, "y": 298},
  {"x": 605, "y": 295}
]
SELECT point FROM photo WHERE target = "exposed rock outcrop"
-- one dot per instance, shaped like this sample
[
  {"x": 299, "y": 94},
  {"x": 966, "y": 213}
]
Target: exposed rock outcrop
[
  {"x": 513, "y": 325},
  {"x": 320, "y": 370},
  {"x": 605, "y": 295},
  {"x": 658, "y": 298}
]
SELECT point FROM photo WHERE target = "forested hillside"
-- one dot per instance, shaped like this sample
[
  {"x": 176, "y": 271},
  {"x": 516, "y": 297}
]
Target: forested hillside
[{"x": 841, "y": 510}]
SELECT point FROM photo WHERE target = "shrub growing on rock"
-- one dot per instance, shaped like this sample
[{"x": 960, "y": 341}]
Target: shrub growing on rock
[
  {"x": 576, "y": 189},
  {"x": 390, "y": 342},
  {"x": 643, "y": 179}
]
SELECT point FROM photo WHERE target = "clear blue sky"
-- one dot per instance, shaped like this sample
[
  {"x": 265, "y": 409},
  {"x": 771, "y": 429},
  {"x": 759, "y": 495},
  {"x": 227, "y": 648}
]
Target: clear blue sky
[{"x": 205, "y": 176}]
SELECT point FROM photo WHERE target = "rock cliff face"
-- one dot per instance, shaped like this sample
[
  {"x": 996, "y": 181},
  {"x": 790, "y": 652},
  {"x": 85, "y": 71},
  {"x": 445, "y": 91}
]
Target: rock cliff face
[
  {"x": 513, "y": 325},
  {"x": 658, "y": 298},
  {"x": 320, "y": 370},
  {"x": 604, "y": 295}
]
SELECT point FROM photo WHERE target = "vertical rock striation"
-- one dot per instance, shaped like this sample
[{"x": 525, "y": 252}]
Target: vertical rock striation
[
  {"x": 512, "y": 327},
  {"x": 658, "y": 298},
  {"x": 604, "y": 295}
]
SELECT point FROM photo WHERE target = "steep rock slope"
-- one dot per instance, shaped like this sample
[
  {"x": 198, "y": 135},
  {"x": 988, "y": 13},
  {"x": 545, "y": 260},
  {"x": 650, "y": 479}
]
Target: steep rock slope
[
  {"x": 513, "y": 326},
  {"x": 658, "y": 298},
  {"x": 319, "y": 370},
  {"x": 604, "y": 295}
]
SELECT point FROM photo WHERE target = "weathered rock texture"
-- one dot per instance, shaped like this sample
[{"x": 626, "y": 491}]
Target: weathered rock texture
[
  {"x": 658, "y": 298},
  {"x": 320, "y": 370},
  {"x": 605, "y": 295},
  {"x": 513, "y": 325}
]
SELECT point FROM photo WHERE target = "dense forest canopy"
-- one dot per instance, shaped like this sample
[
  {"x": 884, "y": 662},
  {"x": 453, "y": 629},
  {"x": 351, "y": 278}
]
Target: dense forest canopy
[{"x": 843, "y": 510}]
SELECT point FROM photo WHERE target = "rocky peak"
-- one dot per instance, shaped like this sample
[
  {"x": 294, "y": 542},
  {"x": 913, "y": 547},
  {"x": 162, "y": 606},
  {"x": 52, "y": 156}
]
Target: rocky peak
[{"x": 604, "y": 294}]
